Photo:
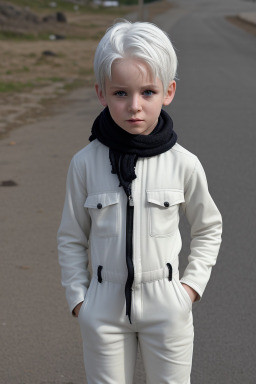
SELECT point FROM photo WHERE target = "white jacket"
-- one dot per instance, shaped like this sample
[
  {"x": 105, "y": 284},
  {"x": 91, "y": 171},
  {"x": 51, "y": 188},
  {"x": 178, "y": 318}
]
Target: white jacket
[{"x": 95, "y": 213}]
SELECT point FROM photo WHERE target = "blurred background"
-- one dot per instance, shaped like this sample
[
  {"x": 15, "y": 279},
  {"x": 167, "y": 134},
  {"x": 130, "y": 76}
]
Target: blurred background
[{"x": 46, "y": 49}]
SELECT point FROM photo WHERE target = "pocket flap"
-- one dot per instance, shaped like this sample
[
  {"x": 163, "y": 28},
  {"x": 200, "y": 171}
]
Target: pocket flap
[
  {"x": 165, "y": 197},
  {"x": 101, "y": 200}
]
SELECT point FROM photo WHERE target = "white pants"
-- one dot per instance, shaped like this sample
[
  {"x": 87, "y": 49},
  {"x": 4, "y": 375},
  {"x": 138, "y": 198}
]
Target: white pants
[{"x": 162, "y": 324}]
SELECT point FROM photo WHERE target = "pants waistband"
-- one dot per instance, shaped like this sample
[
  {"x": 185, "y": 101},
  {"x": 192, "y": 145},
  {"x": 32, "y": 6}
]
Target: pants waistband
[{"x": 142, "y": 277}]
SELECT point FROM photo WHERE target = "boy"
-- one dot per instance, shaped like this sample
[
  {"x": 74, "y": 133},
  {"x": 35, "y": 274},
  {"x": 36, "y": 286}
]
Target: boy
[{"x": 124, "y": 194}]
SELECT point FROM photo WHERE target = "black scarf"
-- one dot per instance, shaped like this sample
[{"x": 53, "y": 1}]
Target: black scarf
[{"x": 125, "y": 148}]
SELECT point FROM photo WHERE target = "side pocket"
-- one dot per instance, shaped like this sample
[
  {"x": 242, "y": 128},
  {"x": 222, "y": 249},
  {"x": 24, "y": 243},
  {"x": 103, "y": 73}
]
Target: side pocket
[
  {"x": 86, "y": 300},
  {"x": 184, "y": 294}
]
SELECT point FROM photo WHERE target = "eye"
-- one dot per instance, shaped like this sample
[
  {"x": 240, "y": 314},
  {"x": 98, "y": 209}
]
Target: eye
[
  {"x": 148, "y": 92},
  {"x": 120, "y": 93}
]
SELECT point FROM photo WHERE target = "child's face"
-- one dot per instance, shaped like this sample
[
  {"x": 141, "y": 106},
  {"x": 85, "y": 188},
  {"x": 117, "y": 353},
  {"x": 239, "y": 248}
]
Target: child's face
[{"x": 134, "y": 97}]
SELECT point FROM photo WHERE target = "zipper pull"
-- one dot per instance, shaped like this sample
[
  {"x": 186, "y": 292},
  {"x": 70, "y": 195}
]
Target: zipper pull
[{"x": 130, "y": 199}]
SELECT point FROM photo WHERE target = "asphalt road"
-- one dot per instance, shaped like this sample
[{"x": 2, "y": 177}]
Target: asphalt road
[{"x": 214, "y": 115}]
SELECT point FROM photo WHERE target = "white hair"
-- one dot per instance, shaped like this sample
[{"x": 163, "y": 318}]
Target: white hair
[{"x": 139, "y": 40}]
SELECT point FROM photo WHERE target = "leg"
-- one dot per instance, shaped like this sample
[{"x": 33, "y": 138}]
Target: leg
[
  {"x": 166, "y": 342},
  {"x": 110, "y": 347},
  {"x": 110, "y": 360}
]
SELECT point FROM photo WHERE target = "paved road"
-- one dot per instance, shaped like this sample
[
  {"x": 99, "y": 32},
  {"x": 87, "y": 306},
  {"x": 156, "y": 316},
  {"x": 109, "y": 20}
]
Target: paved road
[{"x": 214, "y": 115}]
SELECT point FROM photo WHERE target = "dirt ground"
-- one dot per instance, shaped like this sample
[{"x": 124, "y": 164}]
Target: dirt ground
[{"x": 32, "y": 81}]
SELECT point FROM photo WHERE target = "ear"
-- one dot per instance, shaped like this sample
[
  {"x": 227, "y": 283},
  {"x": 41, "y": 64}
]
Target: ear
[
  {"x": 100, "y": 95},
  {"x": 170, "y": 93}
]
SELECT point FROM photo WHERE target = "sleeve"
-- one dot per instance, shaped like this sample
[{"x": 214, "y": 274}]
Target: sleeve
[
  {"x": 206, "y": 229},
  {"x": 73, "y": 237}
]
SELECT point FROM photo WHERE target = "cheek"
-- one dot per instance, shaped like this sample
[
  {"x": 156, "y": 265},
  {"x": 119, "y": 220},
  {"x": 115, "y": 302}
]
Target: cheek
[
  {"x": 115, "y": 111},
  {"x": 155, "y": 108},
  {"x": 116, "y": 107}
]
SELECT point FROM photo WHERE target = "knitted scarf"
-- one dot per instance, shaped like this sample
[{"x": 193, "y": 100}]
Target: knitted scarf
[{"x": 125, "y": 148}]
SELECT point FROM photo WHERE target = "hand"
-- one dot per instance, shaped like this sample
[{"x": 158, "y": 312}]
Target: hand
[
  {"x": 77, "y": 308},
  {"x": 191, "y": 292}
]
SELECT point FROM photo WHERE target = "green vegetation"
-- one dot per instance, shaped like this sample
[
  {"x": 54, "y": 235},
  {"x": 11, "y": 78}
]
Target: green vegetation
[
  {"x": 78, "y": 83},
  {"x": 14, "y": 87},
  {"x": 86, "y": 72},
  {"x": 51, "y": 79},
  {"x": 19, "y": 36},
  {"x": 30, "y": 55},
  {"x": 74, "y": 84},
  {"x": 18, "y": 70}
]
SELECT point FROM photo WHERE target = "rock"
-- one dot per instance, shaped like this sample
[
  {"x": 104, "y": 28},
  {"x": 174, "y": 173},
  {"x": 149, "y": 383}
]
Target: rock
[
  {"x": 49, "y": 18},
  {"x": 60, "y": 37},
  {"x": 56, "y": 37},
  {"x": 12, "y": 12},
  {"x": 8, "y": 183},
  {"x": 61, "y": 18},
  {"x": 48, "y": 53},
  {"x": 29, "y": 16},
  {"x": 53, "y": 17}
]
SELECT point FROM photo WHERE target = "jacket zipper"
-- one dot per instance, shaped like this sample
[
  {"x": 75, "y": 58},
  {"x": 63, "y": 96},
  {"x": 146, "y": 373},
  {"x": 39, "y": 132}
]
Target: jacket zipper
[{"x": 129, "y": 254}]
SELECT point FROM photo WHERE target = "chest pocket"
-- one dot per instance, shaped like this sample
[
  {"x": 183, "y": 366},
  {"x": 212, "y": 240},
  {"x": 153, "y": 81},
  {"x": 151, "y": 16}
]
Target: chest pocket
[
  {"x": 104, "y": 209},
  {"x": 164, "y": 211}
]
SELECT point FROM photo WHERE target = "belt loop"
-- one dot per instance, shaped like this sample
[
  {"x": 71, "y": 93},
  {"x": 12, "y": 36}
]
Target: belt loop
[
  {"x": 99, "y": 273},
  {"x": 170, "y": 271}
]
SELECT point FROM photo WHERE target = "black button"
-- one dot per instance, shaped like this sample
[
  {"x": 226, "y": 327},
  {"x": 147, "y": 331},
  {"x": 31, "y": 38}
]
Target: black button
[
  {"x": 166, "y": 204},
  {"x": 99, "y": 206}
]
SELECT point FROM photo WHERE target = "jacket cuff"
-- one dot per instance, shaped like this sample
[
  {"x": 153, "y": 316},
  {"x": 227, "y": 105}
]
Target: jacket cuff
[{"x": 196, "y": 288}]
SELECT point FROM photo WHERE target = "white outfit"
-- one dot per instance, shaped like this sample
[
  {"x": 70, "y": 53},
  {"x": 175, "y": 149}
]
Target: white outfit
[{"x": 95, "y": 213}]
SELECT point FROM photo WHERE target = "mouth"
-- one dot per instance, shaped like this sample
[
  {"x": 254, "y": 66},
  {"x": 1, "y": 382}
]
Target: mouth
[{"x": 134, "y": 120}]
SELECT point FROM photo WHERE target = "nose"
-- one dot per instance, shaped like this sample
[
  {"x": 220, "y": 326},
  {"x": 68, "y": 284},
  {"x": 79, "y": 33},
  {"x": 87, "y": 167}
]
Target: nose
[{"x": 135, "y": 104}]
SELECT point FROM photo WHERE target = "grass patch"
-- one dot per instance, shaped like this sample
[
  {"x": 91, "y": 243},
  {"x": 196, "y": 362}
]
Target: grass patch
[
  {"x": 77, "y": 83},
  {"x": 56, "y": 79},
  {"x": 24, "y": 69},
  {"x": 52, "y": 79},
  {"x": 86, "y": 72},
  {"x": 31, "y": 55},
  {"x": 8, "y": 87},
  {"x": 19, "y": 36},
  {"x": 4, "y": 35}
]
